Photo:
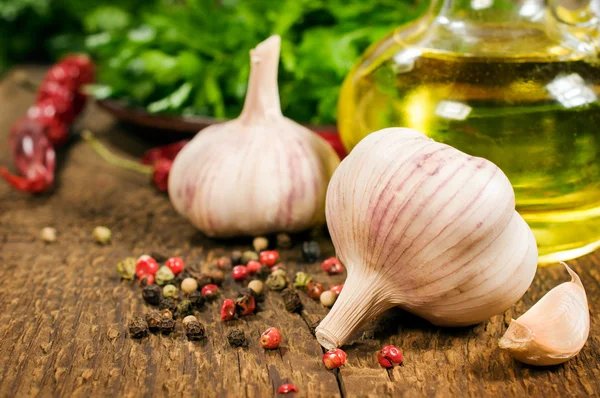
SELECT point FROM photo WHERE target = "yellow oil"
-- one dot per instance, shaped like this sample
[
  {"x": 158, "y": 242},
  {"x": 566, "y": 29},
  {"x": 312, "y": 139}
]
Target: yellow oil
[{"x": 527, "y": 103}]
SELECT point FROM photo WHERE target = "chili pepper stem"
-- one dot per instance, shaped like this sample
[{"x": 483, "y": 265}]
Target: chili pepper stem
[{"x": 113, "y": 159}]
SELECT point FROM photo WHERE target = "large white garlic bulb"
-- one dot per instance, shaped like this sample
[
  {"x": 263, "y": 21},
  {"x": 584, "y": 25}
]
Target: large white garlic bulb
[
  {"x": 426, "y": 227},
  {"x": 259, "y": 173}
]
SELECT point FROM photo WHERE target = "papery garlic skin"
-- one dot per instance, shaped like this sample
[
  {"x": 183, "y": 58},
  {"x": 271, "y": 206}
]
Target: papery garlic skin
[
  {"x": 260, "y": 173},
  {"x": 554, "y": 330},
  {"x": 423, "y": 226}
]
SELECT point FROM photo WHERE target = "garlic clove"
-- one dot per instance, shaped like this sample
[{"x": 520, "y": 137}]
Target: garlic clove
[{"x": 554, "y": 329}]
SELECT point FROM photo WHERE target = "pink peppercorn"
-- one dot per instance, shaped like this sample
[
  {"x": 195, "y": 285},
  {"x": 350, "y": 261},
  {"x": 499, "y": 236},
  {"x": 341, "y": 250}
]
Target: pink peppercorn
[
  {"x": 145, "y": 265},
  {"x": 389, "y": 356},
  {"x": 334, "y": 359},
  {"x": 147, "y": 279},
  {"x": 337, "y": 289},
  {"x": 175, "y": 264},
  {"x": 332, "y": 266},
  {"x": 268, "y": 257},
  {"x": 227, "y": 310},
  {"x": 239, "y": 272},
  {"x": 286, "y": 389},
  {"x": 210, "y": 291},
  {"x": 270, "y": 338},
  {"x": 253, "y": 266}
]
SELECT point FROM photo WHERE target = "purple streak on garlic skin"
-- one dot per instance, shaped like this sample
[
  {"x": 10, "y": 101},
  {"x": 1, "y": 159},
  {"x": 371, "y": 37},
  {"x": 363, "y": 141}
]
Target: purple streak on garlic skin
[
  {"x": 428, "y": 228},
  {"x": 260, "y": 173}
]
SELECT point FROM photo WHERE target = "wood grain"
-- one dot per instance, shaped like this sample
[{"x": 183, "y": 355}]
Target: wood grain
[{"x": 64, "y": 309}]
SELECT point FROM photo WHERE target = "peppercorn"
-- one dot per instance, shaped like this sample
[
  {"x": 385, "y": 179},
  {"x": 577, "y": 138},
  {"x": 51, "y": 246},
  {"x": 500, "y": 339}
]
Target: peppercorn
[
  {"x": 223, "y": 263},
  {"x": 164, "y": 275},
  {"x": 334, "y": 359},
  {"x": 239, "y": 272},
  {"x": 193, "y": 329},
  {"x": 337, "y": 289},
  {"x": 328, "y": 298},
  {"x": 278, "y": 266},
  {"x": 236, "y": 257},
  {"x": 197, "y": 299},
  {"x": 147, "y": 280},
  {"x": 126, "y": 268},
  {"x": 168, "y": 304},
  {"x": 291, "y": 300},
  {"x": 166, "y": 313},
  {"x": 210, "y": 292},
  {"x": 189, "y": 285},
  {"x": 287, "y": 388},
  {"x": 268, "y": 257},
  {"x": 152, "y": 294},
  {"x": 260, "y": 243},
  {"x": 159, "y": 256},
  {"x": 277, "y": 280},
  {"x": 217, "y": 277},
  {"x": 332, "y": 266},
  {"x": 270, "y": 338},
  {"x": 249, "y": 256},
  {"x": 247, "y": 290},
  {"x": 185, "y": 308},
  {"x": 153, "y": 319},
  {"x": 301, "y": 280},
  {"x": 48, "y": 235},
  {"x": 102, "y": 235},
  {"x": 314, "y": 290},
  {"x": 237, "y": 338},
  {"x": 167, "y": 325},
  {"x": 145, "y": 265},
  {"x": 253, "y": 267},
  {"x": 263, "y": 273},
  {"x": 389, "y": 356},
  {"x": 256, "y": 286},
  {"x": 175, "y": 264},
  {"x": 202, "y": 280},
  {"x": 138, "y": 327},
  {"x": 227, "y": 310},
  {"x": 245, "y": 305},
  {"x": 170, "y": 291},
  {"x": 311, "y": 251},
  {"x": 284, "y": 241}
]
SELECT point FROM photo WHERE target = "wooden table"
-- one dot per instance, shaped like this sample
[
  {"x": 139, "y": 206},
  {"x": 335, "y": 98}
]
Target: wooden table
[{"x": 64, "y": 310}]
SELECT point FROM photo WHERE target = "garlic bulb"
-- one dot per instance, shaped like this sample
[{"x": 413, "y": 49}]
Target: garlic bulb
[
  {"x": 423, "y": 226},
  {"x": 554, "y": 329},
  {"x": 259, "y": 173}
]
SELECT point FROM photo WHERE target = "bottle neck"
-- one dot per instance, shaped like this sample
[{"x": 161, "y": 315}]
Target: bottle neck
[{"x": 496, "y": 11}]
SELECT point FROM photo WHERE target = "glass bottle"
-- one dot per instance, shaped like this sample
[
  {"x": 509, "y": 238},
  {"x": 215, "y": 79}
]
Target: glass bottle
[{"x": 514, "y": 81}]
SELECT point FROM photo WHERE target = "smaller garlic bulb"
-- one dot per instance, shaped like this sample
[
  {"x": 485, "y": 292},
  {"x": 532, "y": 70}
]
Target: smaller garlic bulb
[
  {"x": 258, "y": 174},
  {"x": 554, "y": 329}
]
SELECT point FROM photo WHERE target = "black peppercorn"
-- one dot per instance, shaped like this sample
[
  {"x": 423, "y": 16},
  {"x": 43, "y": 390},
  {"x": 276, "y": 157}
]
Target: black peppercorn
[
  {"x": 284, "y": 241},
  {"x": 263, "y": 273},
  {"x": 153, "y": 319},
  {"x": 185, "y": 308},
  {"x": 202, "y": 279},
  {"x": 138, "y": 327},
  {"x": 246, "y": 291},
  {"x": 236, "y": 257},
  {"x": 168, "y": 304},
  {"x": 237, "y": 338},
  {"x": 193, "y": 329},
  {"x": 311, "y": 251},
  {"x": 197, "y": 299},
  {"x": 152, "y": 294},
  {"x": 291, "y": 300},
  {"x": 167, "y": 324},
  {"x": 159, "y": 256}
]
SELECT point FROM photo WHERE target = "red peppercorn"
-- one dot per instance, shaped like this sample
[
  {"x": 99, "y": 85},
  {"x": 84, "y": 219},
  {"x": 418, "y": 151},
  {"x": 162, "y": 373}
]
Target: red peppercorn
[
  {"x": 223, "y": 263},
  {"x": 245, "y": 305},
  {"x": 175, "y": 264},
  {"x": 270, "y": 338},
  {"x": 332, "y": 266},
  {"x": 210, "y": 291},
  {"x": 277, "y": 266},
  {"x": 337, "y": 289},
  {"x": 287, "y": 388},
  {"x": 389, "y": 356},
  {"x": 160, "y": 175},
  {"x": 227, "y": 310},
  {"x": 268, "y": 257},
  {"x": 145, "y": 265},
  {"x": 147, "y": 279},
  {"x": 239, "y": 272},
  {"x": 334, "y": 359},
  {"x": 314, "y": 290},
  {"x": 253, "y": 266}
]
